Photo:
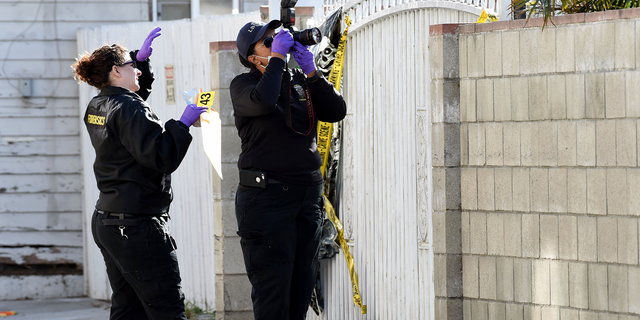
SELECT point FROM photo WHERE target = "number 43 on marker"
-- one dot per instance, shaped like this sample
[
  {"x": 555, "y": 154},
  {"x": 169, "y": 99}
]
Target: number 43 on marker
[{"x": 205, "y": 99}]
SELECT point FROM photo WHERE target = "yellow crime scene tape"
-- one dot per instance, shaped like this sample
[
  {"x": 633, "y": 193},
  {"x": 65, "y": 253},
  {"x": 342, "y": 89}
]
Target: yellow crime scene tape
[
  {"x": 325, "y": 131},
  {"x": 484, "y": 16}
]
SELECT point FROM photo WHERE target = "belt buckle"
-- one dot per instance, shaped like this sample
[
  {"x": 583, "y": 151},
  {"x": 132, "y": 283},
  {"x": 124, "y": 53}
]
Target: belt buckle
[{"x": 112, "y": 214}]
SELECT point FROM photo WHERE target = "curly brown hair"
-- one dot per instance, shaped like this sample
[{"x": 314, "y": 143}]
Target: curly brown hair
[{"x": 94, "y": 68}]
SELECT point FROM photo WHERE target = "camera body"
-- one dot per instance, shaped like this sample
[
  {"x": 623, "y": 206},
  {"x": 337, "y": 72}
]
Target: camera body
[{"x": 306, "y": 37}]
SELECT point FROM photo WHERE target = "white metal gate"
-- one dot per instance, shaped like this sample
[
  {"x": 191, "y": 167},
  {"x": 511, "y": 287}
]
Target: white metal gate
[
  {"x": 385, "y": 206},
  {"x": 185, "y": 45}
]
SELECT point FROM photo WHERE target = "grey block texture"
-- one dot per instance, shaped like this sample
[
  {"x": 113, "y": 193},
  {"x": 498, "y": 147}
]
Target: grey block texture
[{"x": 544, "y": 154}]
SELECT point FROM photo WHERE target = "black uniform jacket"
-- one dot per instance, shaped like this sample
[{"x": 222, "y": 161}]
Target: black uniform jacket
[
  {"x": 268, "y": 143},
  {"x": 134, "y": 155}
]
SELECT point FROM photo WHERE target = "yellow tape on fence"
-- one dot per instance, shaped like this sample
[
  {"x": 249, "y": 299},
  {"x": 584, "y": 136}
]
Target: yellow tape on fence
[
  {"x": 325, "y": 131},
  {"x": 347, "y": 255},
  {"x": 336, "y": 71}
]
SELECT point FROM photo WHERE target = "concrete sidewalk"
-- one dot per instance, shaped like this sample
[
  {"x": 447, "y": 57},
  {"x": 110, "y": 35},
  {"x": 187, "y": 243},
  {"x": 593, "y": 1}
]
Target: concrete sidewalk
[{"x": 57, "y": 309}]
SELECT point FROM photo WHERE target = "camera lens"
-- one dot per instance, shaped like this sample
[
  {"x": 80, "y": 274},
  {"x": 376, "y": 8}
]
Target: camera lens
[
  {"x": 308, "y": 37},
  {"x": 315, "y": 35}
]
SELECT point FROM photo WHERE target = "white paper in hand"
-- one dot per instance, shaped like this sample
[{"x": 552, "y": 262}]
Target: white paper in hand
[{"x": 212, "y": 139}]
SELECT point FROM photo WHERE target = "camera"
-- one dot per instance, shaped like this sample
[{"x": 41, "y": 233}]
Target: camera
[{"x": 306, "y": 37}]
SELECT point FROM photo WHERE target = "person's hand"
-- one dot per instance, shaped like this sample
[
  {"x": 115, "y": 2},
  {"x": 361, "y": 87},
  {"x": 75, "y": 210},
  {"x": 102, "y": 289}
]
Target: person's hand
[
  {"x": 282, "y": 42},
  {"x": 191, "y": 114},
  {"x": 146, "y": 49},
  {"x": 303, "y": 57}
]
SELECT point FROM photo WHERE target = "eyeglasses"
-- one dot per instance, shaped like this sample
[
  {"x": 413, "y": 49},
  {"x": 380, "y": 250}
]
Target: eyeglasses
[
  {"x": 266, "y": 42},
  {"x": 132, "y": 62}
]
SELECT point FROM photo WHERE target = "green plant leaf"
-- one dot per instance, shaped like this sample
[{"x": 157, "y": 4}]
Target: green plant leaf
[{"x": 547, "y": 9}]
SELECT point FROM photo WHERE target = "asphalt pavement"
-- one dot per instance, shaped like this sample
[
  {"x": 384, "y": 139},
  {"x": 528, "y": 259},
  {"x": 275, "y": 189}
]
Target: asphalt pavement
[{"x": 57, "y": 309}]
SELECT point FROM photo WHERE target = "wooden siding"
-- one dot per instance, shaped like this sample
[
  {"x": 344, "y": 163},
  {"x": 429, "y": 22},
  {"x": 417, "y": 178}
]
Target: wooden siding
[
  {"x": 13, "y": 287},
  {"x": 40, "y": 182}
]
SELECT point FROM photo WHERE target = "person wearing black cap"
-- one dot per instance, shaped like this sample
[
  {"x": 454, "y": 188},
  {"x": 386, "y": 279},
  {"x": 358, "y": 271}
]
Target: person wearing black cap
[{"x": 279, "y": 197}]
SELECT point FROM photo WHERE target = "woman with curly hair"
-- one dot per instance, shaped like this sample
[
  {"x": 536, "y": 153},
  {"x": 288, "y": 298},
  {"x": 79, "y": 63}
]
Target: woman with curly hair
[{"x": 135, "y": 156}]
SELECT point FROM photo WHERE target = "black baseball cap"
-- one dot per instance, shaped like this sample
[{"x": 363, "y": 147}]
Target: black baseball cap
[{"x": 251, "y": 32}]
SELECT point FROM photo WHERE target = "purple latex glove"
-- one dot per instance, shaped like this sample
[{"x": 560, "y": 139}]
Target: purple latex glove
[
  {"x": 303, "y": 57},
  {"x": 191, "y": 114},
  {"x": 282, "y": 42},
  {"x": 146, "y": 49}
]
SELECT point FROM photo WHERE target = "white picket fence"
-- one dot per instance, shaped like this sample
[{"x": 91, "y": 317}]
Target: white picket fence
[
  {"x": 185, "y": 45},
  {"x": 386, "y": 200}
]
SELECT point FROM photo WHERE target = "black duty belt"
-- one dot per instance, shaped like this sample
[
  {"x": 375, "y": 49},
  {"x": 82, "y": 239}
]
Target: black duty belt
[{"x": 124, "y": 219}]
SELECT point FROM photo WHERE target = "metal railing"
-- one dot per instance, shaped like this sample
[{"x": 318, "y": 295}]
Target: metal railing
[{"x": 358, "y": 10}]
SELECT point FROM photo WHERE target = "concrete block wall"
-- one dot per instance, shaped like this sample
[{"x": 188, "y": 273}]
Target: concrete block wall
[
  {"x": 233, "y": 290},
  {"x": 445, "y": 133},
  {"x": 549, "y": 175}
]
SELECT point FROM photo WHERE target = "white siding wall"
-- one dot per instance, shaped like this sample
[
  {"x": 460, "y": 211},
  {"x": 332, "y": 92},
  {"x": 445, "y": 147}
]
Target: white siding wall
[
  {"x": 385, "y": 206},
  {"x": 40, "y": 182},
  {"x": 185, "y": 45}
]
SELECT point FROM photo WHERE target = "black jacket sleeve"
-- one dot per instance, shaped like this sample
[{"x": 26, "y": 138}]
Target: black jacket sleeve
[
  {"x": 146, "y": 78},
  {"x": 141, "y": 134},
  {"x": 252, "y": 97},
  {"x": 328, "y": 104}
]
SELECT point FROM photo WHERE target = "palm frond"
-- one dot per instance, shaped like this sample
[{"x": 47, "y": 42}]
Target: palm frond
[{"x": 551, "y": 8}]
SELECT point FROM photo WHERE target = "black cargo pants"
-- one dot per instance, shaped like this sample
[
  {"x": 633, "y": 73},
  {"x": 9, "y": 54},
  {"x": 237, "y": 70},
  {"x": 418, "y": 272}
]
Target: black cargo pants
[
  {"x": 142, "y": 267},
  {"x": 280, "y": 231}
]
